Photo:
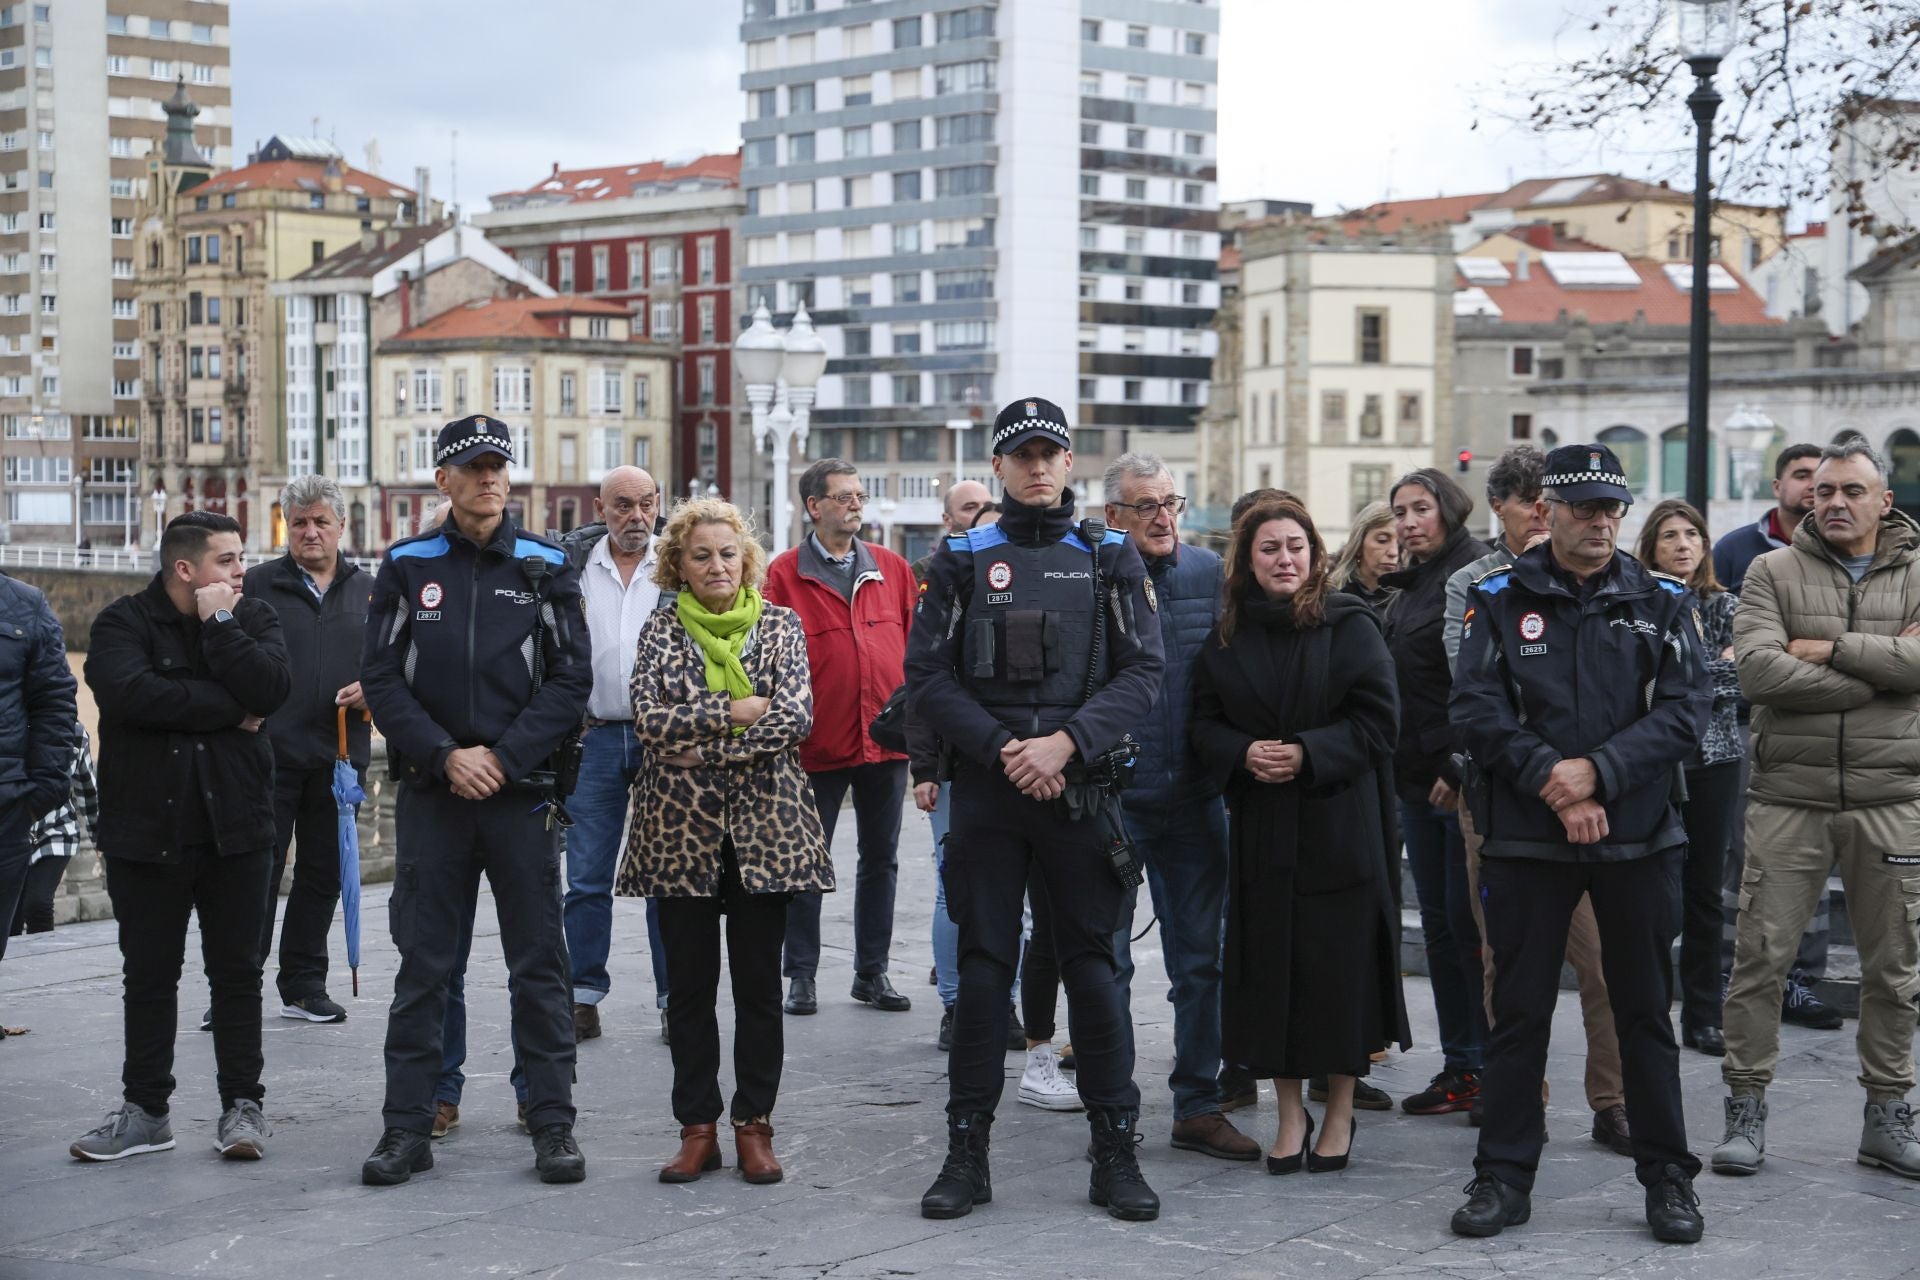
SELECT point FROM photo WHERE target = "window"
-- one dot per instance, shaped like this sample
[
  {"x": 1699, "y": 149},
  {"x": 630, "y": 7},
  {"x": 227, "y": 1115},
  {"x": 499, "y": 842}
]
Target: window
[
  {"x": 1136, "y": 37},
  {"x": 1136, "y": 139},
  {"x": 512, "y": 391},
  {"x": 609, "y": 451},
  {"x": 856, "y": 91},
  {"x": 1090, "y": 185},
  {"x": 857, "y": 391},
  {"x": 1193, "y": 44},
  {"x": 426, "y": 390},
  {"x": 1189, "y": 393},
  {"x": 906, "y": 340},
  {"x": 1371, "y": 332},
  {"x": 202, "y": 73},
  {"x": 857, "y": 341},
  {"x": 1193, "y": 192},
  {"x": 1333, "y": 415},
  {"x": 871, "y": 446},
  {"x": 1136, "y": 90},
  {"x": 962, "y": 335},
  {"x": 705, "y": 309},
  {"x": 1134, "y": 289},
  {"x": 858, "y": 290},
  {"x": 1520, "y": 426},
  {"x": 762, "y": 104},
  {"x": 1136, "y": 188},
  {"x": 1136, "y": 241},
  {"x": 1089, "y": 84},
  {"x": 963, "y": 24},
  {"x": 1521, "y": 365},
  {"x": 213, "y": 309},
  {"x": 800, "y": 99},
  {"x": 460, "y": 391},
  {"x": 569, "y": 395},
  {"x": 906, "y": 287},
  {"x": 906, "y": 135},
  {"x": 602, "y": 275},
  {"x": 642, "y": 395},
  {"x": 963, "y": 77},
  {"x": 963, "y": 180},
  {"x": 1089, "y": 339},
  {"x": 906, "y": 33},
  {"x": 703, "y": 256},
  {"x": 760, "y": 153},
  {"x": 1370, "y": 424},
  {"x": 1089, "y": 133},
  {"x": 857, "y": 142},
  {"x": 117, "y": 64},
  {"x": 213, "y": 248},
  {"x": 1190, "y": 293},
  {"x": 603, "y": 391},
  {"x": 856, "y": 242},
  {"x": 193, "y": 250},
  {"x": 1366, "y": 483},
  {"x": 1090, "y": 30},
  {"x": 1193, "y": 144},
  {"x": 1089, "y": 238},
  {"x": 906, "y": 237},
  {"x": 1130, "y": 389},
  {"x": 1193, "y": 94},
  {"x": 1409, "y": 418},
  {"x": 906, "y": 388},
  {"x": 906, "y": 187},
  {"x": 1133, "y": 340},
  {"x": 905, "y": 84},
  {"x": 1629, "y": 444},
  {"x": 663, "y": 326},
  {"x": 954, "y": 286},
  {"x": 1089, "y": 390},
  {"x": 564, "y": 277},
  {"x": 1089, "y": 289},
  {"x": 704, "y": 374},
  {"x": 663, "y": 262},
  {"x": 799, "y": 148}
]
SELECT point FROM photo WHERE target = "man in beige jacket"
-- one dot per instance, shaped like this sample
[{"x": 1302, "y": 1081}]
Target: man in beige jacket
[{"x": 1828, "y": 643}]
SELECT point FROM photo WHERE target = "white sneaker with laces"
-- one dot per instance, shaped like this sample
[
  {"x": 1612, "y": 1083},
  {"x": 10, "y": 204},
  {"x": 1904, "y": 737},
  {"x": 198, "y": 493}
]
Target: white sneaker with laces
[{"x": 1042, "y": 1085}]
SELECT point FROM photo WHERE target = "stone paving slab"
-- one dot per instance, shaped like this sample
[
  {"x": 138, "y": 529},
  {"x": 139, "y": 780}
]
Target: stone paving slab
[{"x": 860, "y": 1128}]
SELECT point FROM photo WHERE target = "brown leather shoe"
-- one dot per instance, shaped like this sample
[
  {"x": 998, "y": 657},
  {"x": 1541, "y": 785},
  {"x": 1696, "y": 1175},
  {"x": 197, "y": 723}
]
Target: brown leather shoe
[
  {"x": 753, "y": 1152},
  {"x": 699, "y": 1153},
  {"x": 446, "y": 1118},
  {"x": 1212, "y": 1134},
  {"x": 586, "y": 1022}
]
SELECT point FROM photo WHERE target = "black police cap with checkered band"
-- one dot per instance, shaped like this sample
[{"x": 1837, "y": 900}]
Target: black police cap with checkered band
[
  {"x": 462, "y": 441},
  {"x": 1026, "y": 418},
  {"x": 1585, "y": 472}
]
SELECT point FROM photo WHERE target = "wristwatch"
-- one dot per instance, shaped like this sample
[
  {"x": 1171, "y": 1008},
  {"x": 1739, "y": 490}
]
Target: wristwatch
[{"x": 223, "y": 615}]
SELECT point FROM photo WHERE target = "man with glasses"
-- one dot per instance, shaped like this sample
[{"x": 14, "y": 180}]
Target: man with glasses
[
  {"x": 1177, "y": 820},
  {"x": 1580, "y": 690},
  {"x": 855, "y": 600}
]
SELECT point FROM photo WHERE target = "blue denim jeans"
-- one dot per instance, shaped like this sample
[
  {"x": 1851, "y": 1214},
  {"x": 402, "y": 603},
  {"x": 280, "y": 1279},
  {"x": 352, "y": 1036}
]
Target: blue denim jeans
[
  {"x": 1184, "y": 850},
  {"x": 1437, "y": 855},
  {"x": 609, "y": 760}
]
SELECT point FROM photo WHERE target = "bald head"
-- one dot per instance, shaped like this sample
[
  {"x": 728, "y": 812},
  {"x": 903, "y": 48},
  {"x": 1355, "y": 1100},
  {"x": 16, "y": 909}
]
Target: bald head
[
  {"x": 963, "y": 503},
  {"x": 628, "y": 502}
]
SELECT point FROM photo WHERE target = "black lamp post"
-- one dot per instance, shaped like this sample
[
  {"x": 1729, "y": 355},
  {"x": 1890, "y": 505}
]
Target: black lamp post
[{"x": 1706, "y": 36}]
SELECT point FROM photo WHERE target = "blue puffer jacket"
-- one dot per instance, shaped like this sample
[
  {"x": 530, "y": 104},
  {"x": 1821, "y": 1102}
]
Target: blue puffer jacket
[
  {"x": 1187, "y": 586},
  {"x": 37, "y": 716}
]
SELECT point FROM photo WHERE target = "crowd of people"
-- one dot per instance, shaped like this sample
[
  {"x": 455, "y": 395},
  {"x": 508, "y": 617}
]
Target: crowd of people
[{"x": 1584, "y": 753}]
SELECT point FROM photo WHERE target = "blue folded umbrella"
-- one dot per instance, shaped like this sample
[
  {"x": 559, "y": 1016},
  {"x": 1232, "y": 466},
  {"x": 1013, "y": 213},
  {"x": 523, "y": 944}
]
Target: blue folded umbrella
[{"x": 347, "y": 795}]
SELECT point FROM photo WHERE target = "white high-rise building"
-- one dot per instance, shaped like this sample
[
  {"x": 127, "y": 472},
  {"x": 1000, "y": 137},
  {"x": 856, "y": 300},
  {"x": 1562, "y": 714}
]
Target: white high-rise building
[{"x": 978, "y": 202}]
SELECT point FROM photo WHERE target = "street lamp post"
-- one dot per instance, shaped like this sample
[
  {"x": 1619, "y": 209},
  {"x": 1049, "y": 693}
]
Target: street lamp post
[
  {"x": 1705, "y": 29},
  {"x": 780, "y": 371},
  {"x": 1747, "y": 431},
  {"x": 159, "y": 515}
]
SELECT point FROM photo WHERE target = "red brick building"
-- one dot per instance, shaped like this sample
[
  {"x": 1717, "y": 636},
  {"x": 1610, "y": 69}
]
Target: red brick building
[{"x": 658, "y": 239}]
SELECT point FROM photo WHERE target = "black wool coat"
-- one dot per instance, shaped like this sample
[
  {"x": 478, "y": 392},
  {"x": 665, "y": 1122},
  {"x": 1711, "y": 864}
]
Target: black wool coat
[
  {"x": 1311, "y": 973},
  {"x": 1415, "y": 622}
]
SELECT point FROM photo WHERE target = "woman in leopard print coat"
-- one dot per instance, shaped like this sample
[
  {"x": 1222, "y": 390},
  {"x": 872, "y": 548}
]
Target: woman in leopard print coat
[{"x": 724, "y": 830}]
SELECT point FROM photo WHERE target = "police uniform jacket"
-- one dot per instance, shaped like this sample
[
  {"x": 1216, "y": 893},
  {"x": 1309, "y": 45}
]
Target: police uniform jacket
[
  {"x": 172, "y": 691},
  {"x": 1002, "y": 639},
  {"x": 1614, "y": 674},
  {"x": 449, "y": 653}
]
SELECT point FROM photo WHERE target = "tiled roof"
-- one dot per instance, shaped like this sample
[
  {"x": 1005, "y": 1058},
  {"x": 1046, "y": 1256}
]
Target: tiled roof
[
  {"x": 511, "y": 318},
  {"x": 616, "y": 181},
  {"x": 1595, "y": 188},
  {"x": 1392, "y": 215},
  {"x": 1229, "y": 257},
  {"x": 1540, "y": 299},
  {"x": 357, "y": 262},
  {"x": 300, "y": 175}
]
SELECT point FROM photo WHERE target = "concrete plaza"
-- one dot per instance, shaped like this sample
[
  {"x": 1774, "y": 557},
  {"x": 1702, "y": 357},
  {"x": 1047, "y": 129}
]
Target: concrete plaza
[{"x": 861, "y": 1131}]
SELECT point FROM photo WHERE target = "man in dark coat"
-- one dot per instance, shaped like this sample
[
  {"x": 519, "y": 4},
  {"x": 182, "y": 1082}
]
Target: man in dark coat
[
  {"x": 185, "y": 672},
  {"x": 321, "y": 598},
  {"x": 37, "y": 728},
  {"x": 1581, "y": 690}
]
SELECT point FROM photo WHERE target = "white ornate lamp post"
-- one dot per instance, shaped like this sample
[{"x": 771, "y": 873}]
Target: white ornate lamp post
[
  {"x": 780, "y": 371},
  {"x": 159, "y": 515},
  {"x": 1747, "y": 432}
]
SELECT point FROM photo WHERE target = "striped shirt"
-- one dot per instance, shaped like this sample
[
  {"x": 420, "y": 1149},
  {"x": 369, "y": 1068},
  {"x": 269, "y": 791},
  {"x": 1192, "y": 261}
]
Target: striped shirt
[
  {"x": 58, "y": 834},
  {"x": 615, "y": 613}
]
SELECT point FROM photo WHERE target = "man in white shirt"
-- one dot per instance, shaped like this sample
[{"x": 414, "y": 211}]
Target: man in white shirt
[{"x": 617, "y": 583}]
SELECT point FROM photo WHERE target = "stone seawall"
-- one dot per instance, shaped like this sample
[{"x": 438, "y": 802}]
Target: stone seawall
[{"x": 78, "y": 595}]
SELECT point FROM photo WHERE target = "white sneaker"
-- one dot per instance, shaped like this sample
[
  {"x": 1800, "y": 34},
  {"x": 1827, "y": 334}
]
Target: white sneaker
[{"x": 1042, "y": 1085}]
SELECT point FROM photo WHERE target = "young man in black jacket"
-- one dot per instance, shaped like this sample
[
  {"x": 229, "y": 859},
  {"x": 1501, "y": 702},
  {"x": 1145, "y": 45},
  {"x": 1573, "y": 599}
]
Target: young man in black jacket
[
  {"x": 184, "y": 673},
  {"x": 1581, "y": 689},
  {"x": 321, "y": 598}
]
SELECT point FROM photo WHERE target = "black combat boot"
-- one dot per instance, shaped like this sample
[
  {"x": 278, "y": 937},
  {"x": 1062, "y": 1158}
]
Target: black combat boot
[
  {"x": 1116, "y": 1184},
  {"x": 963, "y": 1181}
]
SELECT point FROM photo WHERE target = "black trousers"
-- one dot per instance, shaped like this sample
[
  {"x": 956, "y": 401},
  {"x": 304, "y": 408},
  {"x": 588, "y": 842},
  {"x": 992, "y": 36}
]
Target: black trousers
[
  {"x": 442, "y": 845},
  {"x": 998, "y": 836},
  {"x": 306, "y": 818},
  {"x": 690, "y": 929},
  {"x": 15, "y": 850},
  {"x": 151, "y": 903},
  {"x": 1710, "y": 814},
  {"x": 1039, "y": 968},
  {"x": 35, "y": 914},
  {"x": 879, "y": 794},
  {"x": 1528, "y": 904}
]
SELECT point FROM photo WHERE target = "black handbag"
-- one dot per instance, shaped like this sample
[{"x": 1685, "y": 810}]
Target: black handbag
[{"x": 889, "y": 728}]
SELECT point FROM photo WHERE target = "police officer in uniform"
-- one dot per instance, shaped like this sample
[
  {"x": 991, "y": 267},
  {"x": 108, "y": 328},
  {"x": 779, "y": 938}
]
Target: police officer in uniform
[
  {"x": 1580, "y": 691},
  {"x": 1034, "y": 650},
  {"x": 477, "y": 669}
]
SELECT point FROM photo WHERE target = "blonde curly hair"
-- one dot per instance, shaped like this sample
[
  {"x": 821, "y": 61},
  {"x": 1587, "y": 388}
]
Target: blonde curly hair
[{"x": 693, "y": 512}]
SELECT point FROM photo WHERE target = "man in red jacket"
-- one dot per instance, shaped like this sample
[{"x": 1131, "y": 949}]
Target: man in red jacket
[{"x": 856, "y": 602}]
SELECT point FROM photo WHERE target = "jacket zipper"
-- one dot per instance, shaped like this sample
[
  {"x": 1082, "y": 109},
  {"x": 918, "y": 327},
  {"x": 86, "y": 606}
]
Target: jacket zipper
[
  {"x": 1840, "y": 739},
  {"x": 473, "y": 674}
]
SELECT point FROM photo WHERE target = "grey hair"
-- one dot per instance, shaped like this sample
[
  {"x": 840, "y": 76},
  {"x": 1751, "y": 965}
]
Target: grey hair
[
  {"x": 307, "y": 491},
  {"x": 1141, "y": 466},
  {"x": 1857, "y": 447}
]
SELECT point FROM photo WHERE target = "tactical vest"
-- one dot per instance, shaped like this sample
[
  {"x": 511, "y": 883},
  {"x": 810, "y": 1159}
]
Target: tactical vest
[{"x": 1027, "y": 634}]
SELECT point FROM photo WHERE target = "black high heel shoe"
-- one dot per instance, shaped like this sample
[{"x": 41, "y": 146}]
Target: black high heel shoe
[
  {"x": 1291, "y": 1164},
  {"x": 1317, "y": 1163}
]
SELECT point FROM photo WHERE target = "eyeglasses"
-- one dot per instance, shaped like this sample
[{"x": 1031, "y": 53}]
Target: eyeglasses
[
  {"x": 858, "y": 498},
  {"x": 1173, "y": 505},
  {"x": 1612, "y": 508}
]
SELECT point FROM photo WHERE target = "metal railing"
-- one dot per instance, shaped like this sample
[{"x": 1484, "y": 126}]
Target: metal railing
[{"x": 139, "y": 560}]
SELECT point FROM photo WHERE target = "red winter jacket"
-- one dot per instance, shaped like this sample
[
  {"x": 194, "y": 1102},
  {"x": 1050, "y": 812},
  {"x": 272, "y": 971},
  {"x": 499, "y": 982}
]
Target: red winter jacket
[{"x": 855, "y": 651}]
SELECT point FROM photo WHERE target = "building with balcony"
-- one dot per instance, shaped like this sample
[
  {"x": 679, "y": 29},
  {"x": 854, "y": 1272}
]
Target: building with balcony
[
  {"x": 981, "y": 202},
  {"x": 213, "y": 340},
  {"x": 82, "y": 123},
  {"x": 658, "y": 239},
  {"x": 336, "y": 314},
  {"x": 579, "y": 391}
]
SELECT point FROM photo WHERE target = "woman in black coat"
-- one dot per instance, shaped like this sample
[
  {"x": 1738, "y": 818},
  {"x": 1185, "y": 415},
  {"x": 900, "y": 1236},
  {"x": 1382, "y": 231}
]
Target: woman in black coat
[{"x": 1294, "y": 718}]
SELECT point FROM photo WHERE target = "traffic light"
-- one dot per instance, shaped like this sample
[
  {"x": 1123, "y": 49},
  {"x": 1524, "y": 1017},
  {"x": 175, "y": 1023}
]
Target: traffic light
[{"x": 1464, "y": 462}]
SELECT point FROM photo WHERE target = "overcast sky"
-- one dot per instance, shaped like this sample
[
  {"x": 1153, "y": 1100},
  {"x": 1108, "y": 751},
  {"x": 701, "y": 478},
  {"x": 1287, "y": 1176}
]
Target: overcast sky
[{"x": 1336, "y": 103}]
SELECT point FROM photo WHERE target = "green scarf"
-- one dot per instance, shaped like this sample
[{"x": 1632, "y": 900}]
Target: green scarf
[{"x": 721, "y": 637}]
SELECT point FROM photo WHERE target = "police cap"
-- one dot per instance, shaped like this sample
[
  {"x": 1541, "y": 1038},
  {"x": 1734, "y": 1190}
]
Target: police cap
[
  {"x": 1584, "y": 472},
  {"x": 462, "y": 441},
  {"x": 1028, "y": 418}
]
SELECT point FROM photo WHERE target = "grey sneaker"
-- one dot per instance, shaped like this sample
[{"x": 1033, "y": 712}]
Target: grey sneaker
[
  {"x": 1887, "y": 1139},
  {"x": 243, "y": 1131},
  {"x": 1745, "y": 1145},
  {"x": 129, "y": 1131}
]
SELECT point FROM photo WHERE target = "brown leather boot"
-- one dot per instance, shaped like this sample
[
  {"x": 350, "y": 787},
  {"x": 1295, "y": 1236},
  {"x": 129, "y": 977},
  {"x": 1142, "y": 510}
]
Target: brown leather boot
[
  {"x": 753, "y": 1152},
  {"x": 699, "y": 1153}
]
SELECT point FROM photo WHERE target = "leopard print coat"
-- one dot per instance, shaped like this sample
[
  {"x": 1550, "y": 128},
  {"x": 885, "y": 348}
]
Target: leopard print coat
[{"x": 751, "y": 787}]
